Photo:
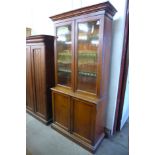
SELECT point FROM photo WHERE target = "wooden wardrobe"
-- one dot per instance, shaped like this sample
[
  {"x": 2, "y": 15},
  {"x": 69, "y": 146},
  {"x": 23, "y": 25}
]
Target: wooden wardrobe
[
  {"x": 82, "y": 63},
  {"x": 39, "y": 76}
]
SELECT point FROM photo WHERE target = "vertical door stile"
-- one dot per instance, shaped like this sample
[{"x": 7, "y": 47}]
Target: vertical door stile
[
  {"x": 71, "y": 115},
  {"x": 55, "y": 57},
  {"x": 73, "y": 55},
  {"x": 100, "y": 57},
  {"x": 33, "y": 72}
]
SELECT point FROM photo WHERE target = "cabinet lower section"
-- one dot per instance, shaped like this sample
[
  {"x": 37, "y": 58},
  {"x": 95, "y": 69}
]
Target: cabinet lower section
[
  {"x": 74, "y": 138},
  {"x": 78, "y": 119}
]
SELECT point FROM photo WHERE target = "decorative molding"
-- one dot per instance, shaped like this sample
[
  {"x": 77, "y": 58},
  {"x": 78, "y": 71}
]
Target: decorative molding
[
  {"x": 106, "y": 6},
  {"x": 38, "y": 38}
]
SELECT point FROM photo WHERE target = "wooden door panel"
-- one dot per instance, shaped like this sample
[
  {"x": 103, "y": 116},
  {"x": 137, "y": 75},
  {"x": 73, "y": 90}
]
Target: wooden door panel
[
  {"x": 39, "y": 79},
  {"x": 62, "y": 110},
  {"x": 29, "y": 81},
  {"x": 83, "y": 119}
]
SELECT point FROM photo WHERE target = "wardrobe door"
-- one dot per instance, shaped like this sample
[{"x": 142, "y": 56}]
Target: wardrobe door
[
  {"x": 83, "y": 119},
  {"x": 39, "y": 79},
  {"x": 29, "y": 81},
  {"x": 61, "y": 110}
]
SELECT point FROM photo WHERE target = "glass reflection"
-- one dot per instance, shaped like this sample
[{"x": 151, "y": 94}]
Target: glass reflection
[
  {"x": 64, "y": 55},
  {"x": 88, "y": 40},
  {"x": 83, "y": 27}
]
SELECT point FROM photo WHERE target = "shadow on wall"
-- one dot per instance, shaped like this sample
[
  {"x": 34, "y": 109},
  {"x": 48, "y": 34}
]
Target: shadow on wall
[{"x": 116, "y": 53}]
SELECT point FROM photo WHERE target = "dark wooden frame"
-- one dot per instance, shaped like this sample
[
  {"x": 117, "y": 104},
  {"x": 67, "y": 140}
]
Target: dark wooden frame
[{"x": 123, "y": 74}]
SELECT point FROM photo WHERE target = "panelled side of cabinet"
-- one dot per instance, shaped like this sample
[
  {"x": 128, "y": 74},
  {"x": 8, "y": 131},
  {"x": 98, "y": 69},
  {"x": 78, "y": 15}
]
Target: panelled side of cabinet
[
  {"x": 49, "y": 75},
  {"x": 41, "y": 58},
  {"x": 105, "y": 67}
]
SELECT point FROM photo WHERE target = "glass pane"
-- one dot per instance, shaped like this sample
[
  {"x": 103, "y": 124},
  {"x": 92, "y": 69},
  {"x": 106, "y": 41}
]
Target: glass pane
[
  {"x": 88, "y": 40},
  {"x": 64, "y": 55}
]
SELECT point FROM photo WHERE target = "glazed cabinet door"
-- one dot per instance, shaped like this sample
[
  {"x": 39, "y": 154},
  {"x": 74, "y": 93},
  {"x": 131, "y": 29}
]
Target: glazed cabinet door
[
  {"x": 29, "y": 80},
  {"x": 39, "y": 79},
  {"x": 83, "y": 119},
  {"x": 64, "y": 54},
  {"x": 61, "y": 110},
  {"x": 87, "y": 44}
]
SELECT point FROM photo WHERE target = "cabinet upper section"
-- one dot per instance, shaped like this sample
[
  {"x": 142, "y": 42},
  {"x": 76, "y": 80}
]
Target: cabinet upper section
[
  {"x": 82, "y": 49},
  {"x": 106, "y": 6}
]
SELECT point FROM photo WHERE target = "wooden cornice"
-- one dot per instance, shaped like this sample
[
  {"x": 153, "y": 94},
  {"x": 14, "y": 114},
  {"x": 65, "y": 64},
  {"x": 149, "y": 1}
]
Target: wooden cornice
[
  {"x": 38, "y": 38},
  {"x": 107, "y": 6}
]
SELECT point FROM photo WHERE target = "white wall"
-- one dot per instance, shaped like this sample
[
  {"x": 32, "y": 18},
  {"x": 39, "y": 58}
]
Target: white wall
[
  {"x": 125, "y": 114},
  {"x": 116, "y": 53},
  {"x": 38, "y": 13}
]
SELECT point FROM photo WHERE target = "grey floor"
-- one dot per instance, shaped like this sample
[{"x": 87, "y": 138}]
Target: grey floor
[{"x": 43, "y": 140}]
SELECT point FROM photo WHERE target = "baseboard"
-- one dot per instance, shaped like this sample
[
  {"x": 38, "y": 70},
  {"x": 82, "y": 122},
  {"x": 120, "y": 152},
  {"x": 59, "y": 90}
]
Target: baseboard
[
  {"x": 107, "y": 132},
  {"x": 46, "y": 122},
  {"x": 77, "y": 140}
]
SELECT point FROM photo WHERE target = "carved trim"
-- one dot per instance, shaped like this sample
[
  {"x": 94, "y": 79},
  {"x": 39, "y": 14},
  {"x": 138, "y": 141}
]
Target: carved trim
[
  {"x": 38, "y": 38},
  {"x": 107, "y": 6}
]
